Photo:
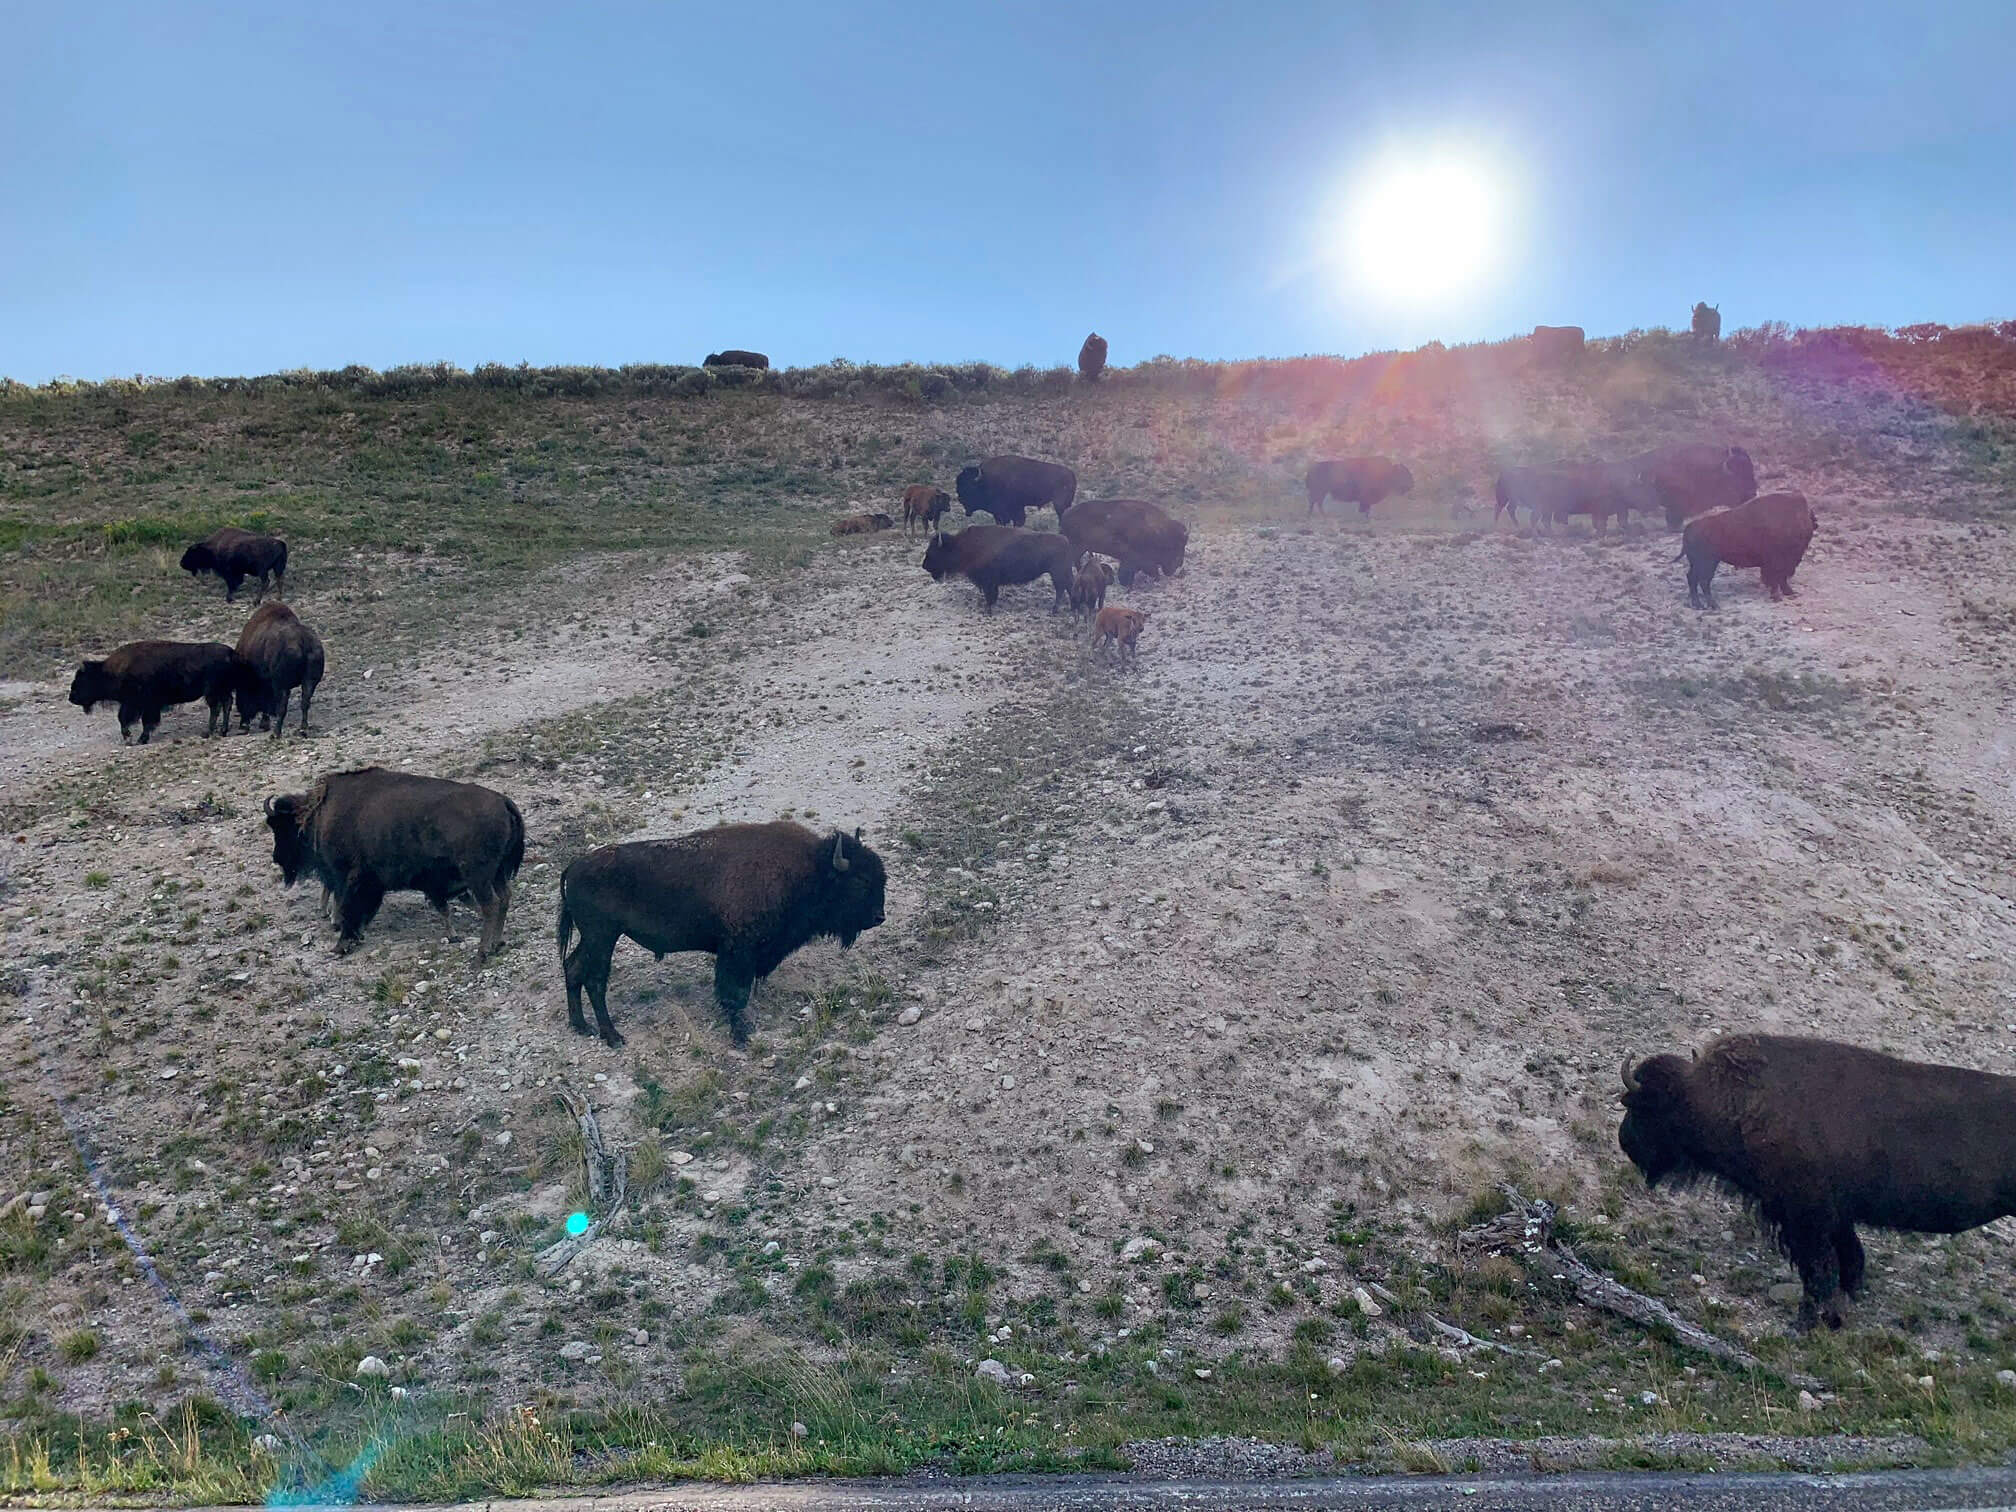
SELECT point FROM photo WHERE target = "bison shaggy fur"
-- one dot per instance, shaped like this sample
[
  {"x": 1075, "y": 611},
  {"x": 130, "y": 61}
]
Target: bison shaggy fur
[
  {"x": 990, "y": 556},
  {"x": 736, "y": 357},
  {"x": 862, "y": 524},
  {"x": 1770, "y": 532},
  {"x": 923, "y": 504},
  {"x": 1089, "y": 585},
  {"x": 1119, "y": 628},
  {"x": 1009, "y": 487},
  {"x": 1092, "y": 358},
  {"x": 1136, "y": 534},
  {"x": 281, "y": 654},
  {"x": 234, "y": 555},
  {"x": 1823, "y": 1136},
  {"x": 747, "y": 894},
  {"x": 1363, "y": 481},
  {"x": 145, "y": 677},
  {"x": 1693, "y": 477}
]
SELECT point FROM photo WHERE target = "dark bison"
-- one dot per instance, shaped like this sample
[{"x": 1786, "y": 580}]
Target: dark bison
[
  {"x": 862, "y": 524},
  {"x": 1552, "y": 494},
  {"x": 1118, "y": 627},
  {"x": 234, "y": 555},
  {"x": 993, "y": 555},
  {"x": 747, "y": 894},
  {"x": 1363, "y": 481},
  {"x": 1092, "y": 358},
  {"x": 1694, "y": 477},
  {"x": 1771, "y": 532},
  {"x": 365, "y": 833},
  {"x": 281, "y": 654},
  {"x": 145, "y": 677},
  {"x": 922, "y": 502},
  {"x": 1089, "y": 585},
  {"x": 1707, "y": 321},
  {"x": 1009, "y": 487},
  {"x": 1822, "y": 1136},
  {"x": 736, "y": 357},
  {"x": 1556, "y": 344},
  {"x": 1135, "y": 533}
]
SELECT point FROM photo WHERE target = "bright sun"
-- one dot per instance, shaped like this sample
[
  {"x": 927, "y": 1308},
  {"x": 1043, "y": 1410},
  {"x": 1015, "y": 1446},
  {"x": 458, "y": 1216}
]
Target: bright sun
[{"x": 1424, "y": 227}]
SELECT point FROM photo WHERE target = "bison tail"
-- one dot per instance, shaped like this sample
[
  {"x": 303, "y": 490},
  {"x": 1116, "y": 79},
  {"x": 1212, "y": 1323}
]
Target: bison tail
[
  {"x": 565, "y": 931},
  {"x": 514, "y": 849}
]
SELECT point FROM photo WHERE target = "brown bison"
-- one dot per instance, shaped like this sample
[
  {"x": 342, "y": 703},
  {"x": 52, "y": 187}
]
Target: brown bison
[
  {"x": 747, "y": 894},
  {"x": 1552, "y": 494},
  {"x": 145, "y": 677},
  {"x": 1363, "y": 481},
  {"x": 1770, "y": 532},
  {"x": 862, "y": 524},
  {"x": 1822, "y": 1136},
  {"x": 1009, "y": 487},
  {"x": 1120, "y": 628},
  {"x": 281, "y": 654},
  {"x": 1089, "y": 585},
  {"x": 365, "y": 833},
  {"x": 923, "y": 503},
  {"x": 1136, "y": 534},
  {"x": 993, "y": 555},
  {"x": 1694, "y": 477},
  {"x": 736, "y": 357},
  {"x": 1092, "y": 358},
  {"x": 1556, "y": 344},
  {"x": 234, "y": 555},
  {"x": 1707, "y": 321}
]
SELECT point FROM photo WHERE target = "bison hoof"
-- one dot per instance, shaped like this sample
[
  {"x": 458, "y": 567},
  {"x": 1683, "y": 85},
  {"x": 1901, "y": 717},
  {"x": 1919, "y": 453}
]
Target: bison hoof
[
  {"x": 579, "y": 1026},
  {"x": 612, "y": 1039},
  {"x": 347, "y": 944}
]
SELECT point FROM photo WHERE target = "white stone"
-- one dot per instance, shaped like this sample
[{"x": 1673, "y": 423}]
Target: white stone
[
  {"x": 373, "y": 1367},
  {"x": 681, "y": 1157},
  {"x": 995, "y": 1371},
  {"x": 1365, "y": 1303},
  {"x": 576, "y": 1349},
  {"x": 799, "y": 1431},
  {"x": 910, "y": 1015},
  {"x": 1808, "y": 1402}
]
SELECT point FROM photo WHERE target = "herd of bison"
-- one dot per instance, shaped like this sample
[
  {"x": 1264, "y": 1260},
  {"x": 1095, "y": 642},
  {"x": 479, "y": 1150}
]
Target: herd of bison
[{"x": 1818, "y": 1136}]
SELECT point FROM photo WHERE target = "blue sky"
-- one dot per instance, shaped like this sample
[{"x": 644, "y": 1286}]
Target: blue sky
[{"x": 236, "y": 188}]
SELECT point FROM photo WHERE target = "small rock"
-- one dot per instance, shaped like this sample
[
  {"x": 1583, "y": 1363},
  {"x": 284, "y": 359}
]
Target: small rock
[
  {"x": 170, "y": 1074},
  {"x": 799, "y": 1431},
  {"x": 504, "y": 1140},
  {"x": 1138, "y": 1246},
  {"x": 771, "y": 1248},
  {"x": 1365, "y": 1303},
  {"x": 576, "y": 1349},
  {"x": 373, "y": 1367},
  {"x": 640, "y": 1338},
  {"x": 682, "y": 1157},
  {"x": 995, "y": 1371},
  {"x": 1315, "y": 1267},
  {"x": 1786, "y": 1291},
  {"x": 2006, "y": 1378},
  {"x": 1338, "y": 1365},
  {"x": 1925, "y": 1382},
  {"x": 1808, "y": 1402},
  {"x": 441, "y": 1035},
  {"x": 1202, "y": 1374},
  {"x": 266, "y": 1443},
  {"x": 801, "y": 1084},
  {"x": 1651, "y": 1398},
  {"x": 710, "y": 1198},
  {"x": 910, "y": 1015},
  {"x": 398, "y": 1393}
]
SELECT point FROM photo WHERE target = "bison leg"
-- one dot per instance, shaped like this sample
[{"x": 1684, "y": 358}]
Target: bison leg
[
  {"x": 1848, "y": 1250},
  {"x": 307, "y": 692},
  {"x": 732, "y": 982},
  {"x": 1316, "y": 498},
  {"x": 587, "y": 965},
  {"x": 220, "y": 712},
  {"x": 1818, "y": 1262},
  {"x": 259, "y": 593},
  {"x": 231, "y": 582},
  {"x": 362, "y": 896},
  {"x": 150, "y": 721},
  {"x": 280, "y": 718},
  {"x": 988, "y": 593},
  {"x": 129, "y": 716},
  {"x": 494, "y": 903}
]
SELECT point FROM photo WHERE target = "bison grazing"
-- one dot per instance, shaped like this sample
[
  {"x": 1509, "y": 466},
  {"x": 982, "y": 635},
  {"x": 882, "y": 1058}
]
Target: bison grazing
[
  {"x": 1556, "y": 344},
  {"x": 1707, "y": 321},
  {"x": 1089, "y": 585},
  {"x": 1363, "y": 481},
  {"x": 1695, "y": 477},
  {"x": 923, "y": 503},
  {"x": 1822, "y": 1136},
  {"x": 1136, "y": 534},
  {"x": 1552, "y": 494},
  {"x": 1119, "y": 628},
  {"x": 736, "y": 357},
  {"x": 234, "y": 555},
  {"x": 282, "y": 654},
  {"x": 748, "y": 894},
  {"x": 148, "y": 676},
  {"x": 992, "y": 555},
  {"x": 365, "y": 833},
  {"x": 1009, "y": 487},
  {"x": 1770, "y": 532},
  {"x": 862, "y": 524},
  {"x": 1092, "y": 358}
]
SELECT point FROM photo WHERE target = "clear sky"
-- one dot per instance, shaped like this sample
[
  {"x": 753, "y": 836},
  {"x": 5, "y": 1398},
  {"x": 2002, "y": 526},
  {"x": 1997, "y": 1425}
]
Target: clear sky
[{"x": 233, "y": 188}]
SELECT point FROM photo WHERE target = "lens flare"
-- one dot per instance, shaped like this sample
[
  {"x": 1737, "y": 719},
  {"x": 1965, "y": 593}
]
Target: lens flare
[
  {"x": 577, "y": 1224},
  {"x": 1425, "y": 225}
]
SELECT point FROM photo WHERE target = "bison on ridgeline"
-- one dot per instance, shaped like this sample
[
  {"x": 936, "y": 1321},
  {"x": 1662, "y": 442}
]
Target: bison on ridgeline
[
  {"x": 1363, "y": 481},
  {"x": 736, "y": 357},
  {"x": 1553, "y": 345},
  {"x": 1770, "y": 532},
  {"x": 1092, "y": 358},
  {"x": 235, "y": 555},
  {"x": 990, "y": 556},
  {"x": 862, "y": 524},
  {"x": 747, "y": 894},
  {"x": 1120, "y": 628},
  {"x": 1089, "y": 585},
  {"x": 1552, "y": 494},
  {"x": 145, "y": 677},
  {"x": 1136, "y": 534},
  {"x": 923, "y": 503},
  {"x": 1821, "y": 1136},
  {"x": 1009, "y": 487},
  {"x": 1707, "y": 325},
  {"x": 280, "y": 654},
  {"x": 365, "y": 833},
  {"x": 1694, "y": 477}
]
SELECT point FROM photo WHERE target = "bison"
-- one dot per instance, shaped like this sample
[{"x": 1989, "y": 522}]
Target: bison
[
  {"x": 1707, "y": 324},
  {"x": 1092, "y": 358},
  {"x": 862, "y": 524},
  {"x": 1136, "y": 534},
  {"x": 1771, "y": 532},
  {"x": 1089, "y": 585},
  {"x": 1553, "y": 345},
  {"x": 1363, "y": 481},
  {"x": 1694, "y": 477},
  {"x": 281, "y": 654},
  {"x": 747, "y": 894},
  {"x": 234, "y": 555},
  {"x": 992, "y": 555},
  {"x": 365, "y": 833},
  {"x": 736, "y": 357},
  {"x": 1552, "y": 494},
  {"x": 1118, "y": 627},
  {"x": 145, "y": 677},
  {"x": 1009, "y": 487},
  {"x": 1821, "y": 1136},
  {"x": 923, "y": 503}
]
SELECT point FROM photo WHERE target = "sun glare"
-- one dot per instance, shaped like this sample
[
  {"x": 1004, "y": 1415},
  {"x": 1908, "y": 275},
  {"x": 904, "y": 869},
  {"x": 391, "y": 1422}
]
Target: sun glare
[{"x": 1419, "y": 228}]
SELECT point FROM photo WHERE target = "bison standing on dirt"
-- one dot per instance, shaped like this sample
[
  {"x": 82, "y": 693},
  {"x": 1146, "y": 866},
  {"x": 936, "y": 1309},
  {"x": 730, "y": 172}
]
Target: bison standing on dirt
[
  {"x": 736, "y": 357},
  {"x": 1822, "y": 1136},
  {"x": 748, "y": 894},
  {"x": 234, "y": 555},
  {"x": 1089, "y": 585},
  {"x": 990, "y": 556},
  {"x": 1092, "y": 358},
  {"x": 1770, "y": 532},
  {"x": 1009, "y": 487},
  {"x": 1363, "y": 481},
  {"x": 280, "y": 654},
  {"x": 1136, "y": 534},
  {"x": 1552, "y": 494},
  {"x": 923, "y": 503},
  {"x": 365, "y": 833},
  {"x": 145, "y": 677},
  {"x": 1119, "y": 628},
  {"x": 1694, "y": 477},
  {"x": 1707, "y": 323},
  {"x": 1553, "y": 345}
]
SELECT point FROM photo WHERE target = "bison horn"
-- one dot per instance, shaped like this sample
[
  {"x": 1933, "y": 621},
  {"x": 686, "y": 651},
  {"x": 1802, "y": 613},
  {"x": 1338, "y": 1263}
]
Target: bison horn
[
  {"x": 1630, "y": 1081},
  {"x": 840, "y": 861},
  {"x": 269, "y": 808}
]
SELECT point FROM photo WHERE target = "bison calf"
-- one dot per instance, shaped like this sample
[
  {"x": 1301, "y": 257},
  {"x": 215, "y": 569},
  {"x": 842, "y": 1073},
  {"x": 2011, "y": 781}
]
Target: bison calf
[
  {"x": 234, "y": 555},
  {"x": 1771, "y": 532},
  {"x": 1088, "y": 587},
  {"x": 1822, "y": 1136},
  {"x": 280, "y": 655},
  {"x": 923, "y": 503},
  {"x": 1118, "y": 627},
  {"x": 862, "y": 524},
  {"x": 148, "y": 676},
  {"x": 747, "y": 894}
]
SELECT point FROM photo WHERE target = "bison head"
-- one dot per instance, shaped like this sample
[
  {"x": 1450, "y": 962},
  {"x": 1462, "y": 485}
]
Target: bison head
[
  {"x": 1656, "y": 1132},
  {"x": 290, "y": 847},
  {"x": 854, "y": 882},
  {"x": 971, "y": 497},
  {"x": 1737, "y": 465},
  {"x": 91, "y": 686},
  {"x": 938, "y": 556},
  {"x": 199, "y": 558},
  {"x": 1400, "y": 480}
]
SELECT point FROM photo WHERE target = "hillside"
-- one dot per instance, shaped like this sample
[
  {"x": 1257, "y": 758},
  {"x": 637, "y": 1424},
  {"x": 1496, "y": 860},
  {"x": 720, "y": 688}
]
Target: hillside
[{"x": 1210, "y": 993}]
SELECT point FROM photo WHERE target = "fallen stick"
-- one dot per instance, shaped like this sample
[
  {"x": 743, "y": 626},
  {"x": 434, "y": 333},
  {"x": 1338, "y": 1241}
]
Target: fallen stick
[
  {"x": 608, "y": 1184},
  {"x": 1461, "y": 1337}
]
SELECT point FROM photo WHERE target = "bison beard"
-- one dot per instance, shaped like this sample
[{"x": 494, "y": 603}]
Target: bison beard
[{"x": 748, "y": 894}]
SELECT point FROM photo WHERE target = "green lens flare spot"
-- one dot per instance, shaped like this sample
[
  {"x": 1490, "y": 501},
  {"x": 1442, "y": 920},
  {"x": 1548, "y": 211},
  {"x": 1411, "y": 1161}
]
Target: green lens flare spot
[{"x": 577, "y": 1224}]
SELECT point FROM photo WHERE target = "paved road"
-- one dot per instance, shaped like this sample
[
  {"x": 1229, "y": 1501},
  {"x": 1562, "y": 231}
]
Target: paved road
[{"x": 1871, "y": 1491}]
